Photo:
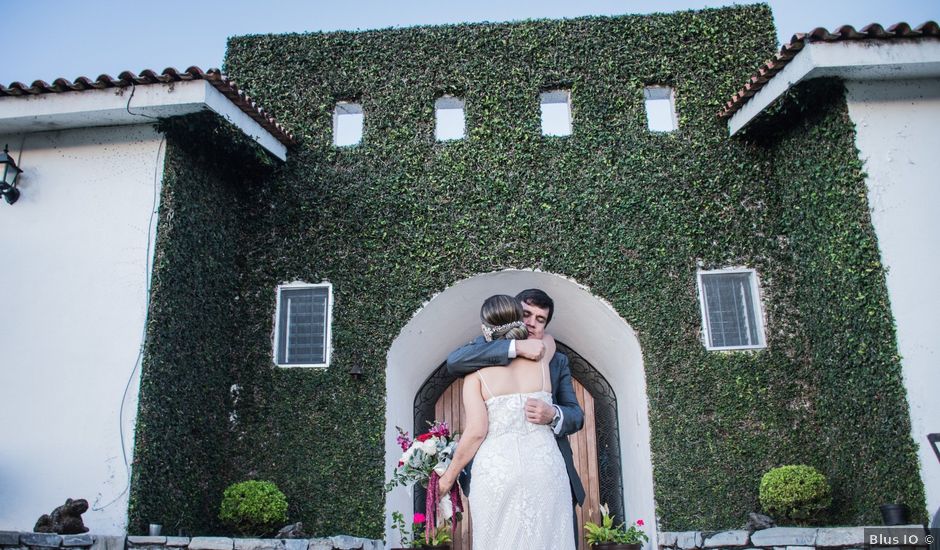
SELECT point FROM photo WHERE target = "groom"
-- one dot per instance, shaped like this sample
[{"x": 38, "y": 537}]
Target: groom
[{"x": 565, "y": 416}]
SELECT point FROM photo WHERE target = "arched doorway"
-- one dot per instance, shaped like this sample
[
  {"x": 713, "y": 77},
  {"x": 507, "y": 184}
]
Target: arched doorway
[
  {"x": 596, "y": 448},
  {"x": 582, "y": 321}
]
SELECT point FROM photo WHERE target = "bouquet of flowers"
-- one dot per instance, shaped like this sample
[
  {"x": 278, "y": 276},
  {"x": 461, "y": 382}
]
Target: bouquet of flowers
[{"x": 423, "y": 461}]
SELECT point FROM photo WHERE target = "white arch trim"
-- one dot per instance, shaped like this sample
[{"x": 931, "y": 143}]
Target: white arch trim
[{"x": 585, "y": 322}]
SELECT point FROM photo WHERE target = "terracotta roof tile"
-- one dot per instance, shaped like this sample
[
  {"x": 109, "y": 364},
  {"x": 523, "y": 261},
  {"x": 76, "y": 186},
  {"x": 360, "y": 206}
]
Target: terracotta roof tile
[
  {"x": 214, "y": 77},
  {"x": 765, "y": 72}
]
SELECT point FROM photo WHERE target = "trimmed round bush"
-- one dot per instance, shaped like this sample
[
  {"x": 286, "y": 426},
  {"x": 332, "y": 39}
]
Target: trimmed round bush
[
  {"x": 796, "y": 492},
  {"x": 253, "y": 508}
]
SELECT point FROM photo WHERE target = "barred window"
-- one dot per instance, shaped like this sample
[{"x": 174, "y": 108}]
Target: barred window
[
  {"x": 302, "y": 332},
  {"x": 731, "y": 311}
]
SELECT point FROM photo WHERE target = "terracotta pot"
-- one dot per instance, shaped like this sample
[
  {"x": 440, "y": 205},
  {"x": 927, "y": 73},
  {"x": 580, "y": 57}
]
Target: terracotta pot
[{"x": 616, "y": 546}]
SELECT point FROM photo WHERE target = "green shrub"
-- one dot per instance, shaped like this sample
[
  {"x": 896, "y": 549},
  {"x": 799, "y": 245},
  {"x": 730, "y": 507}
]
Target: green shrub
[
  {"x": 797, "y": 492},
  {"x": 253, "y": 508}
]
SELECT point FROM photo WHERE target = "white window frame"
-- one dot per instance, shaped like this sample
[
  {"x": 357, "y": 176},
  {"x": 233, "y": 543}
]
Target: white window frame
[
  {"x": 660, "y": 93},
  {"x": 328, "y": 348},
  {"x": 347, "y": 108},
  {"x": 556, "y": 96},
  {"x": 756, "y": 299}
]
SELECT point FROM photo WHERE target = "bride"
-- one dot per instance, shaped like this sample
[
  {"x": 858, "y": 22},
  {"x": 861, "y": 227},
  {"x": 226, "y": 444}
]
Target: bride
[{"x": 519, "y": 498}]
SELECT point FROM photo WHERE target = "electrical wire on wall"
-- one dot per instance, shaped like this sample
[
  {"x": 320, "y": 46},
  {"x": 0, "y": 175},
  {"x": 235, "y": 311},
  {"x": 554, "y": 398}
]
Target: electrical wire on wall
[{"x": 143, "y": 336}]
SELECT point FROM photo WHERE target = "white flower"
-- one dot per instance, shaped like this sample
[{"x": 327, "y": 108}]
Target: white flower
[{"x": 429, "y": 447}]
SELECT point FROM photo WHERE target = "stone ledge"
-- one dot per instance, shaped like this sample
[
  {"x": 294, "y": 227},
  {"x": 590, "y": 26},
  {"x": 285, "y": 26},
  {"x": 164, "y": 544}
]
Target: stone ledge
[
  {"x": 78, "y": 540},
  {"x": 727, "y": 538},
  {"x": 689, "y": 539},
  {"x": 19, "y": 540},
  {"x": 48, "y": 540},
  {"x": 10, "y": 538},
  {"x": 784, "y": 536},
  {"x": 840, "y": 536},
  {"x": 133, "y": 540},
  {"x": 178, "y": 541},
  {"x": 211, "y": 543}
]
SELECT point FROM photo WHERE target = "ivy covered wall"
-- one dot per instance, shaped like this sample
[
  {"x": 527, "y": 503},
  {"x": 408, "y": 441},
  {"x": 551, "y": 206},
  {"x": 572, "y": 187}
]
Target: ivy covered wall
[{"x": 629, "y": 213}]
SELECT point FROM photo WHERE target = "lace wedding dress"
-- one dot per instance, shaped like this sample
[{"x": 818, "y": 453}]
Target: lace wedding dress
[{"x": 519, "y": 495}]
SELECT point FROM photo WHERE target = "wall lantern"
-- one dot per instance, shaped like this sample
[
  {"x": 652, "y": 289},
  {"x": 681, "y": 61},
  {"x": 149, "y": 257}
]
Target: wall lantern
[{"x": 8, "y": 174}]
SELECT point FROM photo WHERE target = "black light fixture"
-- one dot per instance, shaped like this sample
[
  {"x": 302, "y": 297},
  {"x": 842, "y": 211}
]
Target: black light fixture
[
  {"x": 8, "y": 174},
  {"x": 356, "y": 372}
]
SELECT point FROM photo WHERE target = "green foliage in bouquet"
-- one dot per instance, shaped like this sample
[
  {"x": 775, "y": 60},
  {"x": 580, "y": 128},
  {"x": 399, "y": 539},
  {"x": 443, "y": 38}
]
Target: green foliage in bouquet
[
  {"x": 796, "y": 492},
  {"x": 253, "y": 508}
]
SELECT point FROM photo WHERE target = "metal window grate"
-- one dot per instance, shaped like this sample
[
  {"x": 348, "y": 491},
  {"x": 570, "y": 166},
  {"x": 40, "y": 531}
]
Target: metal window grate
[
  {"x": 302, "y": 326},
  {"x": 731, "y": 315}
]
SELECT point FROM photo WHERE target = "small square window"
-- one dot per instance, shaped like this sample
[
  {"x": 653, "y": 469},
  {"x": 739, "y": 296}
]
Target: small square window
[
  {"x": 302, "y": 325},
  {"x": 731, "y": 311},
  {"x": 449, "y": 118},
  {"x": 660, "y": 109},
  {"x": 348, "y": 119},
  {"x": 556, "y": 112}
]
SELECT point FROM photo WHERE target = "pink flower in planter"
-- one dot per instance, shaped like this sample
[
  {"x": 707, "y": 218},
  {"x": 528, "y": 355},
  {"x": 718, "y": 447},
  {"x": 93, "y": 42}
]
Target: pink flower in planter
[
  {"x": 419, "y": 518},
  {"x": 640, "y": 522}
]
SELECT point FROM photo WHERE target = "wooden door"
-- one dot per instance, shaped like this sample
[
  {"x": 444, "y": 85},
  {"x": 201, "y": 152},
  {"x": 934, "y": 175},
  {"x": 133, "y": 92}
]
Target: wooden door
[{"x": 583, "y": 446}]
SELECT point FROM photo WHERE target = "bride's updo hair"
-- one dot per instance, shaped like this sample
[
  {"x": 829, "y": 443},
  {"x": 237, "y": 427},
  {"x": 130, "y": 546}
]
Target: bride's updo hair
[{"x": 501, "y": 316}]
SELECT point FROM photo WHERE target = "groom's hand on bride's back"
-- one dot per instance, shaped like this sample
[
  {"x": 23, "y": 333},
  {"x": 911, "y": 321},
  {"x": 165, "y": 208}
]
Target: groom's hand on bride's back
[{"x": 530, "y": 349}]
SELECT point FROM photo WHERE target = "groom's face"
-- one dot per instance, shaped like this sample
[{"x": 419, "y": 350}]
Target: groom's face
[{"x": 535, "y": 319}]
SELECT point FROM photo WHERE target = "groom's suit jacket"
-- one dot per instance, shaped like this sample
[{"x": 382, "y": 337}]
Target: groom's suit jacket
[{"x": 481, "y": 353}]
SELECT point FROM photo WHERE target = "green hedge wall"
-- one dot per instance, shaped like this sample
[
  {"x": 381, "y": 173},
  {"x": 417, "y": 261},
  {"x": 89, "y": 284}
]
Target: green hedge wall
[{"x": 628, "y": 213}]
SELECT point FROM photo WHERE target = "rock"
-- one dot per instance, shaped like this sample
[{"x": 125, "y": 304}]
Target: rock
[
  {"x": 668, "y": 538},
  {"x": 9, "y": 538},
  {"x": 177, "y": 542},
  {"x": 840, "y": 536},
  {"x": 292, "y": 531},
  {"x": 689, "y": 539},
  {"x": 144, "y": 540},
  {"x": 41, "y": 539},
  {"x": 296, "y": 544},
  {"x": 320, "y": 544},
  {"x": 211, "y": 543},
  {"x": 77, "y": 540},
  {"x": 108, "y": 542},
  {"x": 784, "y": 536},
  {"x": 756, "y": 522},
  {"x": 727, "y": 538},
  {"x": 346, "y": 542},
  {"x": 261, "y": 544}
]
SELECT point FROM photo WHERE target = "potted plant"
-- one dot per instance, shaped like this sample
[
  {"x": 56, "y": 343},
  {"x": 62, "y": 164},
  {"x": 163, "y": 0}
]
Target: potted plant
[
  {"x": 798, "y": 493},
  {"x": 607, "y": 537},
  {"x": 415, "y": 537}
]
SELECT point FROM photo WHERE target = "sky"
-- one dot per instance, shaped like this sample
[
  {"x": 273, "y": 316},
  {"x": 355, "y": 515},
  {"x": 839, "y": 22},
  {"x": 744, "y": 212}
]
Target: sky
[{"x": 48, "y": 39}]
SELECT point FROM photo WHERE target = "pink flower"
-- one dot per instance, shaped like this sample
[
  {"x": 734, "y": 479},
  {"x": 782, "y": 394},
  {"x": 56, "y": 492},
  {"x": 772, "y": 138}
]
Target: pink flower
[
  {"x": 440, "y": 430},
  {"x": 640, "y": 522},
  {"x": 419, "y": 518},
  {"x": 403, "y": 440}
]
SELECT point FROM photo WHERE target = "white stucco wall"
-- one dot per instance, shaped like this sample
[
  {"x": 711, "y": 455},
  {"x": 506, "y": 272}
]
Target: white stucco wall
[
  {"x": 896, "y": 123},
  {"x": 73, "y": 274},
  {"x": 582, "y": 321}
]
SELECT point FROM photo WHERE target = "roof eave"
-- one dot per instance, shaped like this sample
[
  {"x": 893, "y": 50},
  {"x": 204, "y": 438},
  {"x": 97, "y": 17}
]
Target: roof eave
[{"x": 848, "y": 60}]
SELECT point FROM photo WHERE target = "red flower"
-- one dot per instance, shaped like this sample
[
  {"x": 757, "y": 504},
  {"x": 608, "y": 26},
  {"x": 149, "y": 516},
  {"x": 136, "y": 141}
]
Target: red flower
[
  {"x": 640, "y": 522},
  {"x": 419, "y": 518},
  {"x": 401, "y": 462},
  {"x": 424, "y": 437}
]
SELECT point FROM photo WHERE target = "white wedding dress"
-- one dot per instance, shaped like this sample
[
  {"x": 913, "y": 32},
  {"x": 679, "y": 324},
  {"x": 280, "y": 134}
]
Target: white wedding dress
[{"x": 519, "y": 494}]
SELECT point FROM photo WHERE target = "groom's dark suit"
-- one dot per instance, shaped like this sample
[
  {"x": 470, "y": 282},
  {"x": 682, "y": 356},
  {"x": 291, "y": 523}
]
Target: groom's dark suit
[{"x": 481, "y": 353}]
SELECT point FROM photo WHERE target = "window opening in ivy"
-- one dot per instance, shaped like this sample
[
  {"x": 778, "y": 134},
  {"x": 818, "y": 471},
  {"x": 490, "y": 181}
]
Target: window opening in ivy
[
  {"x": 731, "y": 311},
  {"x": 348, "y": 119},
  {"x": 660, "y": 109},
  {"x": 449, "y": 118},
  {"x": 302, "y": 331},
  {"x": 556, "y": 112}
]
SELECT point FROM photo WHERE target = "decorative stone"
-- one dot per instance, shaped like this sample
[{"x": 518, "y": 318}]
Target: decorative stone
[
  {"x": 320, "y": 544},
  {"x": 177, "y": 542},
  {"x": 108, "y": 542},
  {"x": 261, "y": 544},
  {"x": 295, "y": 544},
  {"x": 727, "y": 538},
  {"x": 756, "y": 522},
  {"x": 784, "y": 536},
  {"x": 9, "y": 538},
  {"x": 346, "y": 542},
  {"x": 47, "y": 540},
  {"x": 667, "y": 538},
  {"x": 840, "y": 536},
  {"x": 77, "y": 540},
  {"x": 689, "y": 539},
  {"x": 211, "y": 543},
  {"x": 146, "y": 541},
  {"x": 292, "y": 531}
]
